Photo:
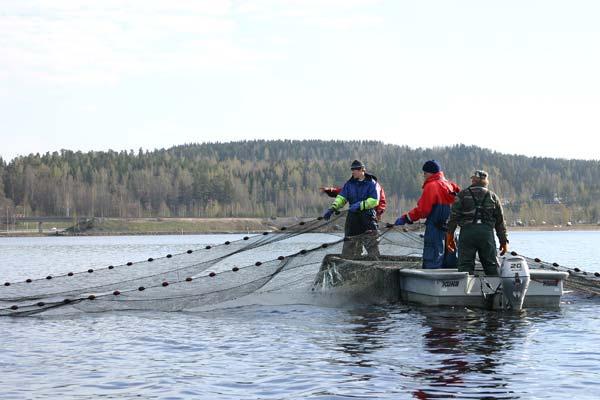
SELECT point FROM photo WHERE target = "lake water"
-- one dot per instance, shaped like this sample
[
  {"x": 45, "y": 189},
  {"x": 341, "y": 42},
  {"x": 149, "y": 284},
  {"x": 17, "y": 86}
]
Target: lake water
[{"x": 296, "y": 351}]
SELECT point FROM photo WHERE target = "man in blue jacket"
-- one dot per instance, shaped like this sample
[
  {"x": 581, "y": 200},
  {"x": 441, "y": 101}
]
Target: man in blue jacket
[{"x": 362, "y": 193}]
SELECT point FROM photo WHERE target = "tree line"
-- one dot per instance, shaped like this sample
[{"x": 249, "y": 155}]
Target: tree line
[{"x": 281, "y": 178}]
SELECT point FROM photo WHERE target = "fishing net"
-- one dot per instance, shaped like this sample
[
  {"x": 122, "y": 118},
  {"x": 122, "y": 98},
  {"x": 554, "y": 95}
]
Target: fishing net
[
  {"x": 579, "y": 280},
  {"x": 282, "y": 263}
]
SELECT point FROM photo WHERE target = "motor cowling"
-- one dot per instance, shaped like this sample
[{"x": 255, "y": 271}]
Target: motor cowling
[{"x": 514, "y": 274}]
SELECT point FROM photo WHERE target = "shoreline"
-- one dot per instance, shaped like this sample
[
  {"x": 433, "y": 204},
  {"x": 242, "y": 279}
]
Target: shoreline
[
  {"x": 545, "y": 228},
  {"x": 159, "y": 226},
  {"x": 203, "y": 226}
]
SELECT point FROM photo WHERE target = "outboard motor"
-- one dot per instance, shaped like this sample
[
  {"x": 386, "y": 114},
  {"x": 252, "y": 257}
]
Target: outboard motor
[{"x": 514, "y": 275}]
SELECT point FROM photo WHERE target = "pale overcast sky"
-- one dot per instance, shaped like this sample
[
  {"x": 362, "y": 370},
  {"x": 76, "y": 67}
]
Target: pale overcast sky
[{"x": 513, "y": 76}]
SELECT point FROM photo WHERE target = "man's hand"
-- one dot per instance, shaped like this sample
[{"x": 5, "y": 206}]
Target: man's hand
[
  {"x": 450, "y": 243},
  {"x": 401, "y": 220},
  {"x": 503, "y": 248},
  {"x": 355, "y": 207},
  {"x": 328, "y": 214}
]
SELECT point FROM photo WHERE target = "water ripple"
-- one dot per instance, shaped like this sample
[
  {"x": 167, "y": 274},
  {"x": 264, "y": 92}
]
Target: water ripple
[{"x": 294, "y": 351}]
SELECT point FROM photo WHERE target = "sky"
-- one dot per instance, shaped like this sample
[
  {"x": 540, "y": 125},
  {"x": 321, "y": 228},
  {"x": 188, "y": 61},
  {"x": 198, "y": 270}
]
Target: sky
[{"x": 518, "y": 77}]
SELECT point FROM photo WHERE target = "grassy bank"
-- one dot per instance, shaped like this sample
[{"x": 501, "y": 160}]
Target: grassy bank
[
  {"x": 179, "y": 225},
  {"x": 153, "y": 226},
  {"x": 549, "y": 228}
]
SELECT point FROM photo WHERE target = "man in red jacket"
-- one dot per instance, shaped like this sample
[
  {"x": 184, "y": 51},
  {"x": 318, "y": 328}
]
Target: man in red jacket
[{"x": 434, "y": 204}]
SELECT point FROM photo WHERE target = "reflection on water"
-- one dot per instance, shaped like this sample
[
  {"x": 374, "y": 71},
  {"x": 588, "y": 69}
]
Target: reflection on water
[
  {"x": 472, "y": 344},
  {"x": 474, "y": 350},
  {"x": 368, "y": 328},
  {"x": 397, "y": 351}
]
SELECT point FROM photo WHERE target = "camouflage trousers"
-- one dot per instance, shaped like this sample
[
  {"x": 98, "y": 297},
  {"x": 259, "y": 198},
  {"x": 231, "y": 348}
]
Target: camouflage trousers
[{"x": 477, "y": 239}]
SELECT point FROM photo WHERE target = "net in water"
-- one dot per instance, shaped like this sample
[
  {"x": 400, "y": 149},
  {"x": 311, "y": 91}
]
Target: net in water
[
  {"x": 282, "y": 263},
  {"x": 285, "y": 261}
]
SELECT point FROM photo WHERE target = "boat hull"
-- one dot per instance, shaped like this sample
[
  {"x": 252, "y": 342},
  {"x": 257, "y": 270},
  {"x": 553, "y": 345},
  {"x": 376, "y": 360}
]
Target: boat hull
[
  {"x": 394, "y": 279},
  {"x": 448, "y": 287}
]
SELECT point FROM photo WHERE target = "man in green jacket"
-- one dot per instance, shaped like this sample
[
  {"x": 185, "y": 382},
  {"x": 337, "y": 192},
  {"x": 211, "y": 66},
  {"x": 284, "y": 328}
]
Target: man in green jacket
[{"x": 478, "y": 212}]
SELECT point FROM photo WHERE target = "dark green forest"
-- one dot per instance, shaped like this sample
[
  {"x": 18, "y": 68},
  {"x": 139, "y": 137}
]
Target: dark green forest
[{"x": 281, "y": 178}]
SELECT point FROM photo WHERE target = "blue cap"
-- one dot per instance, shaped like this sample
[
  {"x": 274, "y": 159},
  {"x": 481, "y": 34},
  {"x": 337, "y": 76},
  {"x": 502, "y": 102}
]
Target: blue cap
[{"x": 432, "y": 167}]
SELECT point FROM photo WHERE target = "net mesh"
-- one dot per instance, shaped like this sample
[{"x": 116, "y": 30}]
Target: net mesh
[
  {"x": 579, "y": 280},
  {"x": 263, "y": 263},
  {"x": 283, "y": 262}
]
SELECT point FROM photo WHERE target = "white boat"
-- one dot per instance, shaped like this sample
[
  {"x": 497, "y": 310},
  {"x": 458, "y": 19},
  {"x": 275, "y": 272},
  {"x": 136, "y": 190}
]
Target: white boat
[{"x": 393, "y": 279}]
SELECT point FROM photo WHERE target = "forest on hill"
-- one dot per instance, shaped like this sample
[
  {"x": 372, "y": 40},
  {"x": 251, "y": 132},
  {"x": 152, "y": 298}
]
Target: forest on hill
[{"x": 281, "y": 178}]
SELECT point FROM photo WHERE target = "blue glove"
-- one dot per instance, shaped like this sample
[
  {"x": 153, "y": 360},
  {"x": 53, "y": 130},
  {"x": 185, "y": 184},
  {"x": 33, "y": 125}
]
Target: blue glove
[
  {"x": 355, "y": 207},
  {"x": 328, "y": 214},
  {"x": 401, "y": 221}
]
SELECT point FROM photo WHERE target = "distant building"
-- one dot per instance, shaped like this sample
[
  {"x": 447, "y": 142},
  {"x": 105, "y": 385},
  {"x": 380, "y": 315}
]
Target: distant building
[{"x": 554, "y": 199}]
